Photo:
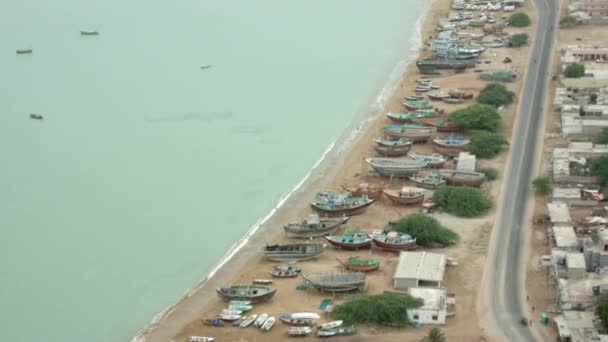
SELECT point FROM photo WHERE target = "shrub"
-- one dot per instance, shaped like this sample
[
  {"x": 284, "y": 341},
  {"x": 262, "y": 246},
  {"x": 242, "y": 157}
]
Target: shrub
[
  {"x": 486, "y": 144},
  {"x": 490, "y": 173},
  {"x": 462, "y": 200},
  {"x": 519, "y": 39},
  {"x": 543, "y": 185},
  {"x": 476, "y": 117},
  {"x": 426, "y": 230},
  {"x": 385, "y": 309},
  {"x": 496, "y": 94},
  {"x": 519, "y": 20},
  {"x": 574, "y": 70},
  {"x": 601, "y": 311},
  {"x": 568, "y": 21},
  {"x": 434, "y": 335},
  {"x": 599, "y": 168},
  {"x": 602, "y": 138}
]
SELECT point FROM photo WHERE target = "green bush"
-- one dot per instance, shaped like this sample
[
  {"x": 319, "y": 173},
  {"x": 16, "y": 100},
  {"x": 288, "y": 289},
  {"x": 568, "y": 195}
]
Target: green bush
[
  {"x": 519, "y": 39},
  {"x": 434, "y": 335},
  {"x": 490, "y": 173},
  {"x": 476, "y": 117},
  {"x": 574, "y": 70},
  {"x": 568, "y": 21},
  {"x": 462, "y": 200},
  {"x": 388, "y": 309},
  {"x": 496, "y": 94},
  {"x": 543, "y": 185},
  {"x": 519, "y": 20},
  {"x": 601, "y": 311},
  {"x": 427, "y": 230},
  {"x": 602, "y": 138},
  {"x": 486, "y": 144},
  {"x": 599, "y": 168}
]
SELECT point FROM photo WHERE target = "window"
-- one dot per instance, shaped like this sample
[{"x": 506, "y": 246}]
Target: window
[
  {"x": 435, "y": 317},
  {"x": 416, "y": 317}
]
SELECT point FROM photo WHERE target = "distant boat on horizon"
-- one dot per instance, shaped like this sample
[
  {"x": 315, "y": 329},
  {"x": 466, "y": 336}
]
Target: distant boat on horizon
[
  {"x": 206, "y": 66},
  {"x": 36, "y": 116},
  {"x": 89, "y": 33},
  {"x": 24, "y": 51}
]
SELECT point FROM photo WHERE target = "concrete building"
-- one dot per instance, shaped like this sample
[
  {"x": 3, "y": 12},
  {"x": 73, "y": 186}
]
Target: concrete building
[
  {"x": 576, "y": 267},
  {"x": 576, "y": 326},
  {"x": 579, "y": 152},
  {"x": 434, "y": 310},
  {"x": 559, "y": 214},
  {"x": 419, "y": 269},
  {"x": 581, "y": 294},
  {"x": 466, "y": 162},
  {"x": 565, "y": 238}
]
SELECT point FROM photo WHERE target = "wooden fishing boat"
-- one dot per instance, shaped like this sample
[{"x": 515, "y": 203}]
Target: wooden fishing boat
[
  {"x": 89, "y": 33},
  {"x": 293, "y": 251},
  {"x": 216, "y": 322},
  {"x": 409, "y": 116},
  {"x": 354, "y": 263},
  {"x": 299, "y": 331},
  {"x": 417, "y": 133},
  {"x": 229, "y": 317},
  {"x": 253, "y": 293},
  {"x": 393, "y": 241},
  {"x": 248, "y": 321},
  {"x": 305, "y": 315},
  {"x": 350, "y": 242},
  {"x": 239, "y": 302},
  {"x": 394, "y": 167},
  {"x": 330, "y": 325},
  {"x": 326, "y": 333},
  {"x": 285, "y": 268},
  {"x": 313, "y": 226},
  {"x": 268, "y": 324},
  {"x": 450, "y": 100},
  {"x": 262, "y": 281},
  {"x": 238, "y": 322},
  {"x": 431, "y": 160},
  {"x": 372, "y": 191},
  {"x": 231, "y": 312},
  {"x": 389, "y": 151},
  {"x": 240, "y": 307},
  {"x": 437, "y": 96},
  {"x": 420, "y": 89},
  {"x": 417, "y": 104},
  {"x": 431, "y": 181},
  {"x": 393, "y": 142},
  {"x": 413, "y": 97},
  {"x": 468, "y": 178},
  {"x": 339, "y": 203},
  {"x": 283, "y": 274},
  {"x": 259, "y": 322},
  {"x": 440, "y": 125},
  {"x": 337, "y": 282},
  {"x": 461, "y": 94},
  {"x": 36, "y": 116},
  {"x": 296, "y": 322},
  {"x": 340, "y": 331},
  {"x": 200, "y": 339},
  {"x": 24, "y": 51},
  {"x": 405, "y": 196}
]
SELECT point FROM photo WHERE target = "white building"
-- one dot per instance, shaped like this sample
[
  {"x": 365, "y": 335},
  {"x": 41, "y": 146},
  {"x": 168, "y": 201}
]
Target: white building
[
  {"x": 419, "y": 269},
  {"x": 559, "y": 214},
  {"x": 565, "y": 238},
  {"x": 576, "y": 265},
  {"x": 576, "y": 326},
  {"x": 434, "y": 310}
]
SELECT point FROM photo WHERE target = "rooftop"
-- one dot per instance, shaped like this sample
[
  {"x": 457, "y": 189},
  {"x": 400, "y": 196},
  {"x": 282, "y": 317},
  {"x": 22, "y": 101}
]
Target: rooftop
[
  {"x": 578, "y": 325},
  {"x": 576, "y": 260},
  {"x": 580, "y": 290},
  {"x": 584, "y": 82},
  {"x": 434, "y": 299},
  {"x": 421, "y": 265},
  {"x": 565, "y": 237},
  {"x": 559, "y": 213}
]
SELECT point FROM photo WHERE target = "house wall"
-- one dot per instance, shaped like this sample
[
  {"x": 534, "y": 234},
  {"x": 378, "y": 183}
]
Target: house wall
[
  {"x": 404, "y": 283},
  {"x": 426, "y": 316},
  {"x": 576, "y": 272}
]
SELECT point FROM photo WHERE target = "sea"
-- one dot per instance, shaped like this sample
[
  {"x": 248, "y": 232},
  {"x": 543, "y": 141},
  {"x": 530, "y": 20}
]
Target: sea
[{"x": 147, "y": 168}]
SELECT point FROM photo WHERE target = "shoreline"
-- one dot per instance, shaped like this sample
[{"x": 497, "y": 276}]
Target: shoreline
[{"x": 361, "y": 125}]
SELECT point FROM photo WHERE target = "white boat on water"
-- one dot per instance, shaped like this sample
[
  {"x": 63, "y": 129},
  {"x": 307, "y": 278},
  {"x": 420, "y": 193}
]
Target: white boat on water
[
  {"x": 269, "y": 323},
  {"x": 305, "y": 315}
]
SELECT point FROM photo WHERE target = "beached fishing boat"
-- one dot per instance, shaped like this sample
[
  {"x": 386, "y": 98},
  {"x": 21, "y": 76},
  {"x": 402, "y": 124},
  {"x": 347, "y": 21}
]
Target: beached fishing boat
[
  {"x": 238, "y": 322},
  {"x": 268, "y": 324},
  {"x": 450, "y": 100},
  {"x": 287, "y": 267},
  {"x": 409, "y": 116},
  {"x": 420, "y": 89},
  {"x": 259, "y": 322},
  {"x": 417, "y": 104},
  {"x": 437, "y": 96},
  {"x": 429, "y": 65},
  {"x": 393, "y": 142},
  {"x": 313, "y": 226},
  {"x": 393, "y": 241},
  {"x": 296, "y": 322},
  {"x": 337, "y": 282},
  {"x": 89, "y": 33},
  {"x": 430, "y": 181},
  {"x": 468, "y": 178},
  {"x": 262, "y": 281},
  {"x": 405, "y": 196},
  {"x": 440, "y": 125},
  {"x": 461, "y": 94},
  {"x": 293, "y": 251},
  {"x": 240, "y": 307},
  {"x": 417, "y": 133},
  {"x": 326, "y": 333},
  {"x": 494, "y": 44},
  {"x": 253, "y": 293},
  {"x": 239, "y": 302},
  {"x": 341, "y": 331},
  {"x": 283, "y": 274},
  {"x": 330, "y": 325},
  {"x": 356, "y": 264},
  {"x": 231, "y": 312},
  {"x": 248, "y": 321},
  {"x": 413, "y": 97},
  {"x": 24, "y": 51},
  {"x": 350, "y": 242},
  {"x": 394, "y": 167},
  {"x": 216, "y": 322},
  {"x": 390, "y": 151},
  {"x": 451, "y": 141},
  {"x": 200, "y": 339},
  {"x": 299, "y": 331},
  {"x": 339, "y": 203},
  {"x": 372, "y": 191},
  {"x": 228, "y": 317}
]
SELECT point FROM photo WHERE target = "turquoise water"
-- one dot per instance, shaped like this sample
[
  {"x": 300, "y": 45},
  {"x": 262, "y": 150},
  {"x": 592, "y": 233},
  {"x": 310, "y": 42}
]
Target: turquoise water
[{"x": 146, "y": 169}]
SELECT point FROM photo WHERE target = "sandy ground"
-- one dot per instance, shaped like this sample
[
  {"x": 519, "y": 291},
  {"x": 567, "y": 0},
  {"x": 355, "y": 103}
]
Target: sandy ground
[
  {"x": 470, "y": 251},
  {"x": 541, "y": 291}
]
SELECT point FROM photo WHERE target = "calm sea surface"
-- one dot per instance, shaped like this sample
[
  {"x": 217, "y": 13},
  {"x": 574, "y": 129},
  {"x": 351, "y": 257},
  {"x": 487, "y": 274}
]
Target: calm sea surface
[{"x": 146, "y": 169}]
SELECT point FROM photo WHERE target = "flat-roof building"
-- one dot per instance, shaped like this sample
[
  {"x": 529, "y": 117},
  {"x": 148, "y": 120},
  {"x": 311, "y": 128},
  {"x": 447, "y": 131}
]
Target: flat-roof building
[{"x": 419, "y": 269}]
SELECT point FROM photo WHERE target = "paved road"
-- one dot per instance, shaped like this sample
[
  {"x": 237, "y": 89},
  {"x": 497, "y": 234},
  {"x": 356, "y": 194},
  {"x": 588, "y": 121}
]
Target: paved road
[{"x": 503, "y": 280}]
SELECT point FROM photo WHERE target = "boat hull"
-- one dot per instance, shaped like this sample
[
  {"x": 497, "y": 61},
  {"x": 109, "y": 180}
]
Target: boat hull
[
  {"x": 257, "y": 299},
  {"x": 456, "y": 178},
  {"x": 427, "y": 185},
  {"x": 293, "y": 252},
  {"x": 342, "y": 211},
  {"x": 394, "y": 247},
  {"x": 396, "y": 199},
  {"x": 392, "y": 151},
  {"x": 359, "y": 268},
  {"x": 350, "y": 246},
  {"x": 448, "y": 151},
  {"x": 329, "y": 228}
]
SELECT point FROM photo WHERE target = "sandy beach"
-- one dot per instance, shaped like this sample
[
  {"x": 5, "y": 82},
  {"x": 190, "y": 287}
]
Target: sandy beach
[{"x": 348, "y": 167}]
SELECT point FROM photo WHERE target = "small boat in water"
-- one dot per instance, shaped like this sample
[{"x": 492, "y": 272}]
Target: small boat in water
[
  {"x": 393, "y": 142},
  {"x": 431, "y": 181},
  {"x": 394, "y": 167},
  {"x": 372, "y": 191},
  {"x": 24, "y": 51},
  {"x": 390, "y": 151},
  {"x": 36, "y": 116},
  {"x": 405, "y": 196},
  {"x": 330, "y": 325},
  {"x": 313, "y": 226},
  {"x": 350, "y": 241},
  {"x": 248, "y": 321},
  {"x": 339, "y": 203},
  {"x": 200, "y": 339},
  {"x": 299, "y": 331},
  {"x": 431, "y": 160},
  {"x": 206, "y": 66},
  {"x": 268, "y": 324},
  {"x": 468, "y": 178},
  {"x": 259, "y": 322},
  {"x": 254, "y": 293},
  {"x": 89, "y": 33},
  {"x": 393, "y": 241},
  {"x": 356, "y": 264},
  {"x": 337, "y": 282},
  {"x": 296, "y": 322},
  {"x": 293, "y": 251}
]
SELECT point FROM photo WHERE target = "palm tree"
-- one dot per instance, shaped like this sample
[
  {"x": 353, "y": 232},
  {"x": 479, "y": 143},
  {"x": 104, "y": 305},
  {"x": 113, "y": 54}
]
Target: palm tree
[{"x": 434, "y": 335}]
